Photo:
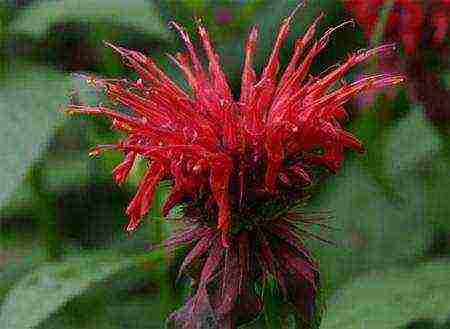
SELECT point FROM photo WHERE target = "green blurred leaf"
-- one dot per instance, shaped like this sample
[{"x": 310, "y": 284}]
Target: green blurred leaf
[
  {"x": 29, "y": 100},
  {"x": 373, "y": 126},
  {"x": 20, "y": 202},
  {"x": 413, "y": 138},
  {"x": 417, "y": 164},
  {"x": 445, "y": 78},
  {"x": 375, "y": 230},
  {"x": 15, "y": 269},
  {"x": 392, "y": 298},
  {"x": 116, "y": 310},
  {"x": 48, "y": 288},
  {"x": 371, "y": 231},
  {"x": 274, "y": 306},
  {"x": 432, "y": 175},
  {"x": 137, "y": 14},
  {"x": 131, "y": 299},
  {"x": 425, "y": 324},
  {"x": 71, "y": 170}
]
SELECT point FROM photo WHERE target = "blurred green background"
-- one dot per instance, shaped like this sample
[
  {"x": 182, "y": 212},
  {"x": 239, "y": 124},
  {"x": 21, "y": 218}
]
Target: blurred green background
[{"x": 65, "y": 261}]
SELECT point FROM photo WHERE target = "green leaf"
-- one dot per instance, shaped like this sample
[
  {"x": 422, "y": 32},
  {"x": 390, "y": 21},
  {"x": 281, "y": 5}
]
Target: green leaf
[
  {"x": 41, "y": 293},
  {"x": 416, "y": 161},
  {"x": 137, "y": 14},
  {"x": 392, "y": 298},
  {"x": 15, "y": 269},
  {"x": 445, "y": 78},
  {"x": 29, "y": 100},
  {"x": 71, "y": 170},
  {"x": 111, "y": 310},
  {"x": 371, "y": 231},
  {"x": 432, "y": 179},
  {"x": 413, "y": 138},
  {"x": 274, "y": 306}
]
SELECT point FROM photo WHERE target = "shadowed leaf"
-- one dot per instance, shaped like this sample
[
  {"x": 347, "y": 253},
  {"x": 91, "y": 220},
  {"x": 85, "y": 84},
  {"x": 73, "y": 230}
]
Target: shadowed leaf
[
  {"x": 140, "y": 15},
  {"x": 392, "y": 298},
  {"x": 373, "y": 231},
  {"x": 45, "y": 290},
  {"x": 29, "y": 100},
  {"x": 412, "y": 138}
]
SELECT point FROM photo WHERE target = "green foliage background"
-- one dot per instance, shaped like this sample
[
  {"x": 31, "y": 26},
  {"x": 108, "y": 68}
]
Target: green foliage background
[{"x": 65, "y": 261}]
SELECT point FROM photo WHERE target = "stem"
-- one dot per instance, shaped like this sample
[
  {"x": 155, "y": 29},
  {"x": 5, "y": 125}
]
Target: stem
[
  {"x": 167, "y": 295},
  {"x": 377, "y": 35},
  {"x": 46, "y": 214}
]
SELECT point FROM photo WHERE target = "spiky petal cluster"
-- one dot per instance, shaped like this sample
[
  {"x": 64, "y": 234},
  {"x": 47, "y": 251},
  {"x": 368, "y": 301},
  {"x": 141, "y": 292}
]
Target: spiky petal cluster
[
  {"x": 210, "y": 144},
  {"x": 410, "y": 22},
  {"x": 236, "y": 163}
]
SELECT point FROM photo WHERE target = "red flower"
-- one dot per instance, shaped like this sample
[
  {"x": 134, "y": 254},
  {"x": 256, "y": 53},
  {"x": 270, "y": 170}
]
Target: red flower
[
  {"x": 209, "y": 142},
  {"x": 409, "y": 21},
  {"x": 239, "y": 165}
]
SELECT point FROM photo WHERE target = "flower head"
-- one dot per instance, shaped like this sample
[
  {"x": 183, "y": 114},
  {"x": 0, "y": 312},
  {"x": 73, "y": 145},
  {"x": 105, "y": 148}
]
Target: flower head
[
  {"x": 239, "y": 165},
  {"x": 410, "y": 22}
]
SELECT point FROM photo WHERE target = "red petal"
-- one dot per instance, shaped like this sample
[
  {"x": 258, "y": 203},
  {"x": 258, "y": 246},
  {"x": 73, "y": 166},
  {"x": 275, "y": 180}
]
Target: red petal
[
  {"x": 350, "y": 141},
  {"x": 143, "y": 199},
  {"x": 276, "y": 141},
  {"x": 248, "y": 75},
  {"x": 121, "y": 172},
  {"x": 299, "y": 48},
  {"x": 301, "y": 172},
  {"x": 221, "y": 168},
  {"x": 218, "y": 77}
]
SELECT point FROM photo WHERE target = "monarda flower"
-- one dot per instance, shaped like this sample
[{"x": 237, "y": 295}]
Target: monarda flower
[
  {"x": 411, "y": 22},
  {"x": 238, "y": 165},
  {"x": 422, "y": 28}
]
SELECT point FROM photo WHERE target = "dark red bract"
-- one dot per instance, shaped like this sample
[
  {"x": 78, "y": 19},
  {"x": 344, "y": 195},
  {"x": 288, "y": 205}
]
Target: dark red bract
[
  {"x": 239, "y": 165},
  {"x": 226, "y": 280}
]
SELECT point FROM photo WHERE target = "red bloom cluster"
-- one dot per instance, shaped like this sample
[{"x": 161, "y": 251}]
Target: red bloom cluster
[
  {"x": 238, "y": 164},
  {"x": 208, "y": 141},
  {"x": 409, "y": 21}
]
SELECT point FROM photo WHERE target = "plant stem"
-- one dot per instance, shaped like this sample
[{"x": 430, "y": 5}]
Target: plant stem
[{"x": 46, "y": 214}]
